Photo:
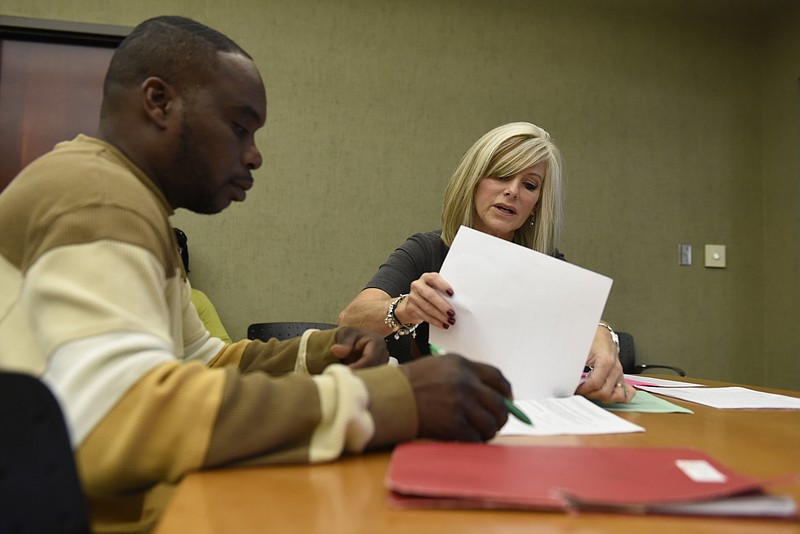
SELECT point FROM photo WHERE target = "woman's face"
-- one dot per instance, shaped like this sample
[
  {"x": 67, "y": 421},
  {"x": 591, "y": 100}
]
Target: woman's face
[{"x": 504, "y": 204}]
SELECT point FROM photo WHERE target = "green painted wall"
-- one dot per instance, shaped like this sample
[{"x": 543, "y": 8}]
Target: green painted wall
[{"x": 678, "y": 120}]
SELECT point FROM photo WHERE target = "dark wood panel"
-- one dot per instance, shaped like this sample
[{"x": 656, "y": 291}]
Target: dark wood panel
[
  {"x": 51, "y": 79},
  {"x": 48, "y": 93}
]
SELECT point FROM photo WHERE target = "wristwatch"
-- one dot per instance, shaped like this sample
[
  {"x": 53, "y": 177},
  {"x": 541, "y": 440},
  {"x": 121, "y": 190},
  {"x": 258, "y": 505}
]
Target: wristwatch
[{"x": 614, "y": 336}]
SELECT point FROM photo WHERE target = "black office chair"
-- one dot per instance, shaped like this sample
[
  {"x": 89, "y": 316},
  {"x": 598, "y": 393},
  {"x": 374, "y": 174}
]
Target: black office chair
[
  {"x": 283, "y": 330},
  {"x": 39, "y": 486},
  {"x": 627, "y": 357}
]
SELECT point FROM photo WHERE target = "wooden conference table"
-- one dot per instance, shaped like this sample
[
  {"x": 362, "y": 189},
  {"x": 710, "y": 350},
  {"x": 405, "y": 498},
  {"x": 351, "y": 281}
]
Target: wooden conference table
[{"x": 348, "y": 496}]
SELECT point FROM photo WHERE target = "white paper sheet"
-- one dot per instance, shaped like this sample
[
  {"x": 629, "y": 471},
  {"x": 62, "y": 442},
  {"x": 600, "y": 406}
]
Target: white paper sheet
[
  {"x": 642, "y": 380},
  {"x": 731, "y": 398},
  {"x": 531, "y": 315},
  {"x": 740, "y": 506},
  {"x": 571, "y": 415}
]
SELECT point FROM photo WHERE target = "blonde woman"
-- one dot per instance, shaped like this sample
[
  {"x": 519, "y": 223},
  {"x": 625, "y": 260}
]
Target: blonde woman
[{"x": 509, "y": 184}]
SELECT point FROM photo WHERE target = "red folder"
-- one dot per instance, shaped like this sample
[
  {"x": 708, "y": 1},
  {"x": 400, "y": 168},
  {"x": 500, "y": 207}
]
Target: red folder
[{"x": 644, "y": 480}]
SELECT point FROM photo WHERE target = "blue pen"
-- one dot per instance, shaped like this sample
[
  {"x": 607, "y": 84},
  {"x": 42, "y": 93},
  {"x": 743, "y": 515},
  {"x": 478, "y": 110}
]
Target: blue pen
[{"x": 510, "y": 406}]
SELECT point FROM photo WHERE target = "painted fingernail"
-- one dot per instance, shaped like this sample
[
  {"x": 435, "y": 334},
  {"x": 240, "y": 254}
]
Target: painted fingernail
[
  {"x": 450, "y": 292},
  {"x": 451, "y": 320},
  {"x": 451, "y": 312},
  {"x": 445, "y": 326}
]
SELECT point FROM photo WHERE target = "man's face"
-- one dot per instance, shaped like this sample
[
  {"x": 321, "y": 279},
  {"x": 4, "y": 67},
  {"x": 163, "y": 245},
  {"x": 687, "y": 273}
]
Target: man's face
[{"x": 216, "y": 148}]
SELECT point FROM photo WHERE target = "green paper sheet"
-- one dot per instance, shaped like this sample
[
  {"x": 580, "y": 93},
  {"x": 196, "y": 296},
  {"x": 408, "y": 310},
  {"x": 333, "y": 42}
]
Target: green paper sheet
[{"x": 645, "y": 402}]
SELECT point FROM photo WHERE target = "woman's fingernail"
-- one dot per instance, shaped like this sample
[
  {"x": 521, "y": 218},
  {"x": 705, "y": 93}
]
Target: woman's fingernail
[
  {"x": 451, "y": 320},
  {"x": 451, "y": 312},
  {"x": 445, "y": 326},
  {"x": 450, "y": 292}
]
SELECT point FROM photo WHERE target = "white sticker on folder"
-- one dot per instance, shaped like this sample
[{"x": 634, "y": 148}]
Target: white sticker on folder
[{"x": 700, "y": 471}]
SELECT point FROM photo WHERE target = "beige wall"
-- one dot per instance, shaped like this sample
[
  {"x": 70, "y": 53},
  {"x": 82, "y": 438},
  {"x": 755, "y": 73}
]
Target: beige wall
[
  {"x": 678, "y": 120},
  {"x": 781, "y": 200}
]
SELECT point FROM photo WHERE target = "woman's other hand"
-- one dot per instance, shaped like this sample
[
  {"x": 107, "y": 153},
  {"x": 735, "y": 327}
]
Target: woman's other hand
[{"x": 605, "y": 381}]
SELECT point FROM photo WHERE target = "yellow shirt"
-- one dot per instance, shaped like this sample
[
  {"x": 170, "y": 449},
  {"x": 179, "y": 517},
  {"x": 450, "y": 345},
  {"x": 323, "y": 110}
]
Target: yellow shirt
[{"x": 208, "y": 314}]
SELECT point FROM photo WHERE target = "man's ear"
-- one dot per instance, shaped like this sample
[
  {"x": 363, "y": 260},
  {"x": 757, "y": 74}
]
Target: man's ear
[{"x": 158, "y": 100}]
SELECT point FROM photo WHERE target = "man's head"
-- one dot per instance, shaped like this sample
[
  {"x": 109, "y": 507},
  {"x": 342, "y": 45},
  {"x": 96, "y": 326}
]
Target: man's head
[{"x": 184, "y": 102}]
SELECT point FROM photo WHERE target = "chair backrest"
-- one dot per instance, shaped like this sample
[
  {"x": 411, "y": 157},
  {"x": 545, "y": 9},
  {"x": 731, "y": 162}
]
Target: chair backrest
[
  {"x": 283, "y": 330},
  {"x": 627, "y": 353},
  {"x": 39, "y": 486},
  {"x": 627, "y": 357}
]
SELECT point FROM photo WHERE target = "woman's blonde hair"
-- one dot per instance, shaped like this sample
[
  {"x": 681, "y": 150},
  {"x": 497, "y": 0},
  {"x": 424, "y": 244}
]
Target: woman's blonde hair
[{"x": 502, "y": 152}]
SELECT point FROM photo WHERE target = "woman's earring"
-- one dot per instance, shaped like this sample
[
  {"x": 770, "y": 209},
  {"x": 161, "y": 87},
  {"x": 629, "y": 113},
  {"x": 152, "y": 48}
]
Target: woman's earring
[{"x": 533, "y": 219}]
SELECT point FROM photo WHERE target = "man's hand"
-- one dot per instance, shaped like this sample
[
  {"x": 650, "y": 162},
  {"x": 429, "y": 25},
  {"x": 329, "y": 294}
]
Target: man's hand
[
  {"x": 458, "y": 399},
  {"x": 359, "y": 348}
]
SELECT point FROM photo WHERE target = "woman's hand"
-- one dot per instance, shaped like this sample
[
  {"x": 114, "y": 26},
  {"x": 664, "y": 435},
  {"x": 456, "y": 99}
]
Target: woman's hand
[
  {"x": 425, "y": 302},
  {"x": 605, "y": 381}
]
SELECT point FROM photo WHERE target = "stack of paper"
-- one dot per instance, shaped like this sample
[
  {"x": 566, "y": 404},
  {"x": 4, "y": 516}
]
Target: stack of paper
[{"x": 571, "y": 415}]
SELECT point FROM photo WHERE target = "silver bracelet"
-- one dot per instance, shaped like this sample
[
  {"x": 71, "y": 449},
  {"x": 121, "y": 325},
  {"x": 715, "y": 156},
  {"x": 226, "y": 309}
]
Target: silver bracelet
[
  {"x": 614, "y": 336},
  {"x": 392, "y": 322}
]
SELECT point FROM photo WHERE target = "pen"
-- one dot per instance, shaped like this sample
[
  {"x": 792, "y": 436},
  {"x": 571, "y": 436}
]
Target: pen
[
  {"x": 516, "y": 412},
  {"x": 510, "y": 406}
]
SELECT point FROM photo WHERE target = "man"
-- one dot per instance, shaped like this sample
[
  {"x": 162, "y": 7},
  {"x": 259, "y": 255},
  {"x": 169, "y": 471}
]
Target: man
[{"x": 94, "y": 300}]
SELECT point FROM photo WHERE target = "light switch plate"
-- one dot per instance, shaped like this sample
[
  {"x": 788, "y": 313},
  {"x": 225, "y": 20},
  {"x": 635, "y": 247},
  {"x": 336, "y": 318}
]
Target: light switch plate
[
  {"x": 684, "y": 254},
  {"x": 715, "y": 256}
]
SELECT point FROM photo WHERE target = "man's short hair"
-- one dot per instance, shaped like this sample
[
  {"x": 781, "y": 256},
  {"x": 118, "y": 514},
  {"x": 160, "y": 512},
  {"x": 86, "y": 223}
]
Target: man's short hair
[{"x": 170, "y": 47}]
